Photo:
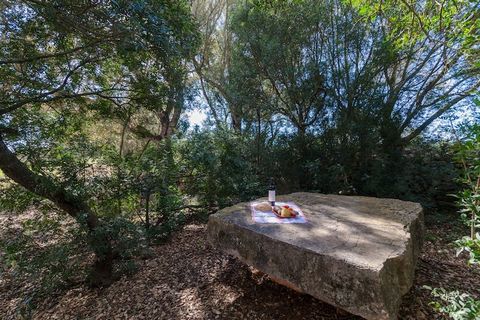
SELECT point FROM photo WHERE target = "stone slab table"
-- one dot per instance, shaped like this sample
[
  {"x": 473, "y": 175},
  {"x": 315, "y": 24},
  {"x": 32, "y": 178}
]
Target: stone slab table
[{"x": 356, "y": 253}]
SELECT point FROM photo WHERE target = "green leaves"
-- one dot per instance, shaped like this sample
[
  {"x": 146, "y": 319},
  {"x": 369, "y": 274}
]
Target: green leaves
[
  {"x": 219, "y": 168},
  {"x": 277, "y": 60},
  {"x": 470, "y": 246},
  {"x": 77, "y": 77},
  {"x": 458, "y": 306},
  {"x": 69, "y": 70},
  {"x": 468, "y": 156}
]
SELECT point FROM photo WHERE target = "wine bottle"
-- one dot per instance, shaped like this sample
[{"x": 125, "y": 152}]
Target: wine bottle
[{"x": 271, "y": 192}]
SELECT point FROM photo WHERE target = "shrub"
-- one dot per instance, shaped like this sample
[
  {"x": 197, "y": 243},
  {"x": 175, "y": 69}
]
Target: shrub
[
  {"x": 468, "y": 155},
  {"x": 458, "y": 306},
  {"x": 218, "y": 169}
]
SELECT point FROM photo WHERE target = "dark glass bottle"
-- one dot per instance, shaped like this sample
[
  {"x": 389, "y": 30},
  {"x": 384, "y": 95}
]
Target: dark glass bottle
[{"x": 271, "y": 192}]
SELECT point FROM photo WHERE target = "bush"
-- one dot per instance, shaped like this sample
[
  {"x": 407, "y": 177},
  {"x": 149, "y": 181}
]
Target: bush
[
  {"x": 218, "y": 169},
  {"x": 468, "y": 156},
  {"x": 458, "y": 306}
]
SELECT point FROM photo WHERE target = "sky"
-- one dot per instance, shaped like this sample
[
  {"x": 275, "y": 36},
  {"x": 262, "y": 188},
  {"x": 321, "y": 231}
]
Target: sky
[
  {"x": 440, "y": 128},
  {"x": 196, "y": 117}
]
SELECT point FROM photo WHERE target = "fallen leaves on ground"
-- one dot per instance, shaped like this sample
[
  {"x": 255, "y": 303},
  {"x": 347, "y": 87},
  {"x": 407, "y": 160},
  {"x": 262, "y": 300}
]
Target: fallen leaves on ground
[{"x": 188, "y": 279}]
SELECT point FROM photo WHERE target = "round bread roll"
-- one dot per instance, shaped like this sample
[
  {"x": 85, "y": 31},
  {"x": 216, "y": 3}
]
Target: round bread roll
[
  {"x": 264, "y": 206},
  {"x": 286, "y": 212}
]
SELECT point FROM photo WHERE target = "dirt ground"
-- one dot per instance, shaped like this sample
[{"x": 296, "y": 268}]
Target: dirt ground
[{"x": 188, "y": 279}]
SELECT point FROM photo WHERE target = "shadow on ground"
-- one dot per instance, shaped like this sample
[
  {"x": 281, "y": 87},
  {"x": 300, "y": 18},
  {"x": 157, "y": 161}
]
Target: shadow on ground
[{"x": 188, "y": 279}]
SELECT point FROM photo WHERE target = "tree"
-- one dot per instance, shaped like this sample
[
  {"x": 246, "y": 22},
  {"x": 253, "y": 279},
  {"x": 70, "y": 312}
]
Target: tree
[
  {"x": 213, "y": 62},
  {"x": 65, "y": 63},
  {"x": 279, "y": 42},
  {"x": 427, "y": 51},
  {"x": 368, "y": 74}
]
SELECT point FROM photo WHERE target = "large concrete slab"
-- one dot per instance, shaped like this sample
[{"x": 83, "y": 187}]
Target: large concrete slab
[{"x": 357, "y": 253}]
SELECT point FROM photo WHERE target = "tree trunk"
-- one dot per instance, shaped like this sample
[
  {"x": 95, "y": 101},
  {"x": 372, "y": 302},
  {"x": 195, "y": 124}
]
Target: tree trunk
[
  {"x": 302, "y": 154},
  {"x": 12, "y": 167},
  {"x": 392, "y": 149},
  {"x": 236, "y": 120},
  {"x": 101, "y": 274},
  {"x": 392, "y": 144}
]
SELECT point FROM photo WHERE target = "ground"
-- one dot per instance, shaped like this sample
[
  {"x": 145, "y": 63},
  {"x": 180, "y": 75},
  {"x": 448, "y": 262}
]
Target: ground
[{"x": 188, "y": 279}]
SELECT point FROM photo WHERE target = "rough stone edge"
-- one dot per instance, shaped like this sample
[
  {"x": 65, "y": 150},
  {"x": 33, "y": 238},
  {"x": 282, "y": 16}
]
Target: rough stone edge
[
  {"x": 392, "y": 264},
  {"x": 396, "y": 264},
  {"x": 367, "y": 310}
]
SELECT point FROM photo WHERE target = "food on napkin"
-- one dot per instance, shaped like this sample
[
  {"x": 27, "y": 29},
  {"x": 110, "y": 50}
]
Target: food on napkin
[
  {"x": 284, "y": 211},
  {"x": 287, "y": 212},
  {"x": 264, "y": 206}
]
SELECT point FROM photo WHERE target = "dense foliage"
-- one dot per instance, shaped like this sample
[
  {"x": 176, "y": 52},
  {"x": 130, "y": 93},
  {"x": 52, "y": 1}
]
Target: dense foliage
[
  {"x": 339, "y": 93},
  {"x": 458, "y": 306},
  {"x": 331, "y": 96},
  {"x": 468, "y": 154},
  {"x": 75, "y": 76},
  {"x": 455, "y": 304}
]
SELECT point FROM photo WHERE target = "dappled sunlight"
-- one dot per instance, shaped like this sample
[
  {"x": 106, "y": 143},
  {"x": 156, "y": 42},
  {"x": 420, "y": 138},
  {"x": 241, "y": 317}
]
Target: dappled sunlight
[
  {"x": 135, "y": 134},
  {"x": 352, "y": 229},
  {"x": 351, "y": 251}
]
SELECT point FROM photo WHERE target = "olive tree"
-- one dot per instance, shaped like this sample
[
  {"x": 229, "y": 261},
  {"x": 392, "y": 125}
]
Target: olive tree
[{"x": 66, "y": 64}]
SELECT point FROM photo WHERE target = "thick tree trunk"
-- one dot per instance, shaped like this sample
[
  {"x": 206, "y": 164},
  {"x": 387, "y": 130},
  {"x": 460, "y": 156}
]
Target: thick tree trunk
[
  {"x": 236, "y": 121},
  {"x": 393, "y": 154},
  {"x": 392, "y": 144},
  {"x": 43, "y": 186},
  {"x": 101, "y": 274}
]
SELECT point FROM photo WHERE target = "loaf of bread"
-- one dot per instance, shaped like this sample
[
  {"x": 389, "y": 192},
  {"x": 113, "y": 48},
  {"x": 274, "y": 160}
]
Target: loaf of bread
[{"x": 264, "y": 206}]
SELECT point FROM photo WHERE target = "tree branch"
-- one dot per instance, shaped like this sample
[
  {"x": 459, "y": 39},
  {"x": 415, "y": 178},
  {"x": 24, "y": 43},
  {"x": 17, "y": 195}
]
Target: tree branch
[{"x": 44, "y": 187}]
